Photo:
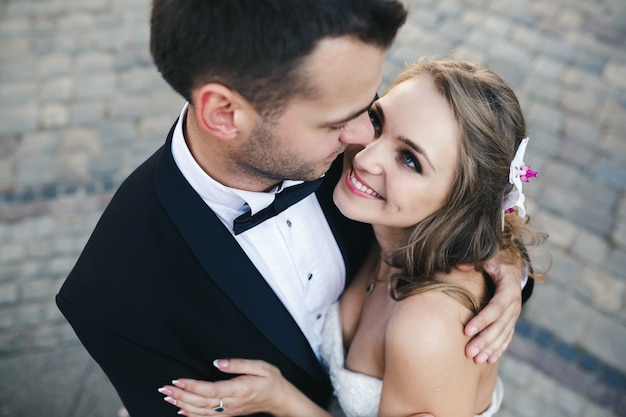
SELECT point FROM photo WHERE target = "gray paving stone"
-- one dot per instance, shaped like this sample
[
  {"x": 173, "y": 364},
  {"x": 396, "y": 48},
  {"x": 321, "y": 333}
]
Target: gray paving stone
[
  {"x": 593, "y": 219},
  {"x": 98, "y": 61},
  {"x": 577, "y": 153},
  {"x": 614, "y": 346},
  {"x": 614, "y": 145},
  {"x": 55, "y": 89},
  {"x": 53, "y": 115},
  {"x": 559, "y": 311},
  {"x": 8, "y": 293},
  {"x": 593, "y": 410},
  {"x": 582, "y": 130},
  {"x": 612, "y": 113},
  {"x": 558, "y": 49},
  {"x": 31, "y": 171},
  {"x": 86, "y": 113},
  {"x": 54, "y": 64},
  {"x": 539, "y": 89},
  {"x": 95, "y": 86},
  {"x": 603, "y": 290},
  {"x": 16, "y": 94},
  {"x": 591, "y": 248},
  {"x": 617, "y": 262},
  {"x": 21, "y": 118},
  {"x": 58, "y": 373},
  {"x": 611, "y": 173},
  {"x": 579, "y": 103},
  {"x": 18, "y": 69},
  {"x": 37, "y": 290},
  {"x": 10, "y": 48},
  {"x": 527, "y": 37},
  {"x": 545, "y": 117},
  {"x": 547, "y": 67},
  {"x": 619, "y": 234}
]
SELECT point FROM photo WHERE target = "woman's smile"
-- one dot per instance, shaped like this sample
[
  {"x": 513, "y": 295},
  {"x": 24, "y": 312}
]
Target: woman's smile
[{"x": 357, "y": 186}]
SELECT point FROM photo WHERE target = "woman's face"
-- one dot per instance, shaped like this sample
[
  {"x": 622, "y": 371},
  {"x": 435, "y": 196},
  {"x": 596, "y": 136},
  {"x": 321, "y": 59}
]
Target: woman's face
[{"x": 406, "y": 173}]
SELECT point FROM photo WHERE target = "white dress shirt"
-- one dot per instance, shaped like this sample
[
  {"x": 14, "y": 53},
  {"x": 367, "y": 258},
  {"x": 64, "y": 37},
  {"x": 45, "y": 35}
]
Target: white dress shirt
[{"x": 294, "y": 251}]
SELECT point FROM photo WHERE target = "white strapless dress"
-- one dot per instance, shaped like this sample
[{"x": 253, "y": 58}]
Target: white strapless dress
[{"x": 359, "y": 394}]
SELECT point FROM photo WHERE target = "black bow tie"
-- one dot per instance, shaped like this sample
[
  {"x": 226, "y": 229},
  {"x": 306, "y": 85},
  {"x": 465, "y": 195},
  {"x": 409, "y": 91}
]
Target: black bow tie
[{"x": 283, "y": 200}]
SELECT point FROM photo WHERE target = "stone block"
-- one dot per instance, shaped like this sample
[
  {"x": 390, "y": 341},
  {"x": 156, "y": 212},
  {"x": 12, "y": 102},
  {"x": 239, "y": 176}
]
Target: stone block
[
  {"x": 18, "y": 119},
  {"x": 605, "y": 291},
  {"x": 96, "y": 86},
  {"x": 54, "y": 64},
  {"x": 57, "y": 89},
  {"x": 548, "y": 68},
  {"x": 615, "y": 74},
  {"x": 99, "y": 61},
  {"x": 591, "y": 248},
  {"x": 53, "y": 115},
  {"x": 556, "y": 309},
  {"x": 611, "y": 173},
  {"x": 577, "y": 153}
]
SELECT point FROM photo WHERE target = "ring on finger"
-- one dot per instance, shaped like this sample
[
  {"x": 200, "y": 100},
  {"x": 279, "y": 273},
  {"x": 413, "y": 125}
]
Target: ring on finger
[{"x": 220, "y": 407}]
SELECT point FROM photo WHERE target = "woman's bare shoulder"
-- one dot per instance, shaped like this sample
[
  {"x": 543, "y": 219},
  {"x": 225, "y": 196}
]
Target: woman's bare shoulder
[{"x": 430, "y": 324}]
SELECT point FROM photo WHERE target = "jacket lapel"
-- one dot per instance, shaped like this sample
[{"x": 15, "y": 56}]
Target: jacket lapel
[{"x": 227, "y": 264}]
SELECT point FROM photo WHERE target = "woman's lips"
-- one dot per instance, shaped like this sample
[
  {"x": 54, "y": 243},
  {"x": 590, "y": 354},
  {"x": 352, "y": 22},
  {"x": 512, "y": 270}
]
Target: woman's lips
[{"x": 356, "y": 185}]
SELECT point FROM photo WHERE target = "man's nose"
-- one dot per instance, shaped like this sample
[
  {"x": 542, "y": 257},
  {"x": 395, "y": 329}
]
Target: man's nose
[{"x": 358, "y": 131}]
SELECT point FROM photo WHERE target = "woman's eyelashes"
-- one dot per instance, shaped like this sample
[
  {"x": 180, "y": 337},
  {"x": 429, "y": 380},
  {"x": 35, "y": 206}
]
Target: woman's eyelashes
[{"x": 408, "y": 159}]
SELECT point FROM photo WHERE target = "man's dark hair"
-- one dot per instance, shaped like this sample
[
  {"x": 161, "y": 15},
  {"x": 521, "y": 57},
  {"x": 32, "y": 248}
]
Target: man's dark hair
[{"x": 255, "y": 47}]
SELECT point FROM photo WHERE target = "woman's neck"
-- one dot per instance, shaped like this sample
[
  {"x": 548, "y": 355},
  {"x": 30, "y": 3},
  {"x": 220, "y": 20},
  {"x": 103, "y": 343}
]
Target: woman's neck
[{"x": 389, "y": 239}]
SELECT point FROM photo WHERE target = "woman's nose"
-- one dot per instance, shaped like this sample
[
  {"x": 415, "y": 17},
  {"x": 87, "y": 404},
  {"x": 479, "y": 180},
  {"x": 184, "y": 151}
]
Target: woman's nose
[{"x": 370, "y": 158}]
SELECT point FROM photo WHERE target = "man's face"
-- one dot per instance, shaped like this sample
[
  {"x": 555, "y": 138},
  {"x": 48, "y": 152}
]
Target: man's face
[{"x": 301, "y": 143}]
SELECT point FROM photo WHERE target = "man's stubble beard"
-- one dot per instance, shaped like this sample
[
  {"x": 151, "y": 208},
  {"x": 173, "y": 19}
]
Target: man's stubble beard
[{"x": 261, "y": 157}]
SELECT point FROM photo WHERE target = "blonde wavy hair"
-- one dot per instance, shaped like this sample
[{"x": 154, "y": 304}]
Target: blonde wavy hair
[{"x": 467, "y": 229}]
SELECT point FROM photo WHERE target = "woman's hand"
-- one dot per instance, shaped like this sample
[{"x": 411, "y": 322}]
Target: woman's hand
[
  {"x": 495, "y": 324},
  {"x": 260, "y": 387}
]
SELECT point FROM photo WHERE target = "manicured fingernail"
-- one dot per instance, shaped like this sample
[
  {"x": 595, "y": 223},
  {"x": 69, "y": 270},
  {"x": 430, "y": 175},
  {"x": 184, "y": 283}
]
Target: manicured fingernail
[
  {"x": 170, "y": 400},
  {"x": 473, "y": 331},
  {"x": 482, "y": 358},
  {"x": 221, "y": 363},
  {"x": 165, "y": 391},
  {"x": 181, "y": 412},
  {"x": 178, "y": 383},
  {"x": 474, "y": 352}
]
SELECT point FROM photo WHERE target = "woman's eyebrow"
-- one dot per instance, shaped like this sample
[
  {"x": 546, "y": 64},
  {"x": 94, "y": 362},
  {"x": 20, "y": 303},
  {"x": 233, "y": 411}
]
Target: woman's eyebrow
[{"x": 408, "y": 142}]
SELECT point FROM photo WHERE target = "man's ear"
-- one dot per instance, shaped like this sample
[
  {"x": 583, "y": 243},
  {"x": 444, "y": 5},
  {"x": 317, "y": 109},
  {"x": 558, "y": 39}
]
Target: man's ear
[{"x": 220, "y": 111}]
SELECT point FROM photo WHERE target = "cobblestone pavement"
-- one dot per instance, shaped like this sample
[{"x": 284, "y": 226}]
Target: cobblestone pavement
[{"x": 81, "y": 105}]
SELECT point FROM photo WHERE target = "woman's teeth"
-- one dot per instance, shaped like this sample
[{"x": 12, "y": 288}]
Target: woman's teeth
[{"x": 363, "y": 188}]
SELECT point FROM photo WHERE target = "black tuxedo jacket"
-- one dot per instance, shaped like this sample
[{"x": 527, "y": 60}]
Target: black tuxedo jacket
[{"x": 162, "y": 289}]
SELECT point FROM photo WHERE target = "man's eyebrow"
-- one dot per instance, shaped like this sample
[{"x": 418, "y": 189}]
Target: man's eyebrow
[
  {"x": 408, "y": 142},
  {"x": 355, "y": 114}
]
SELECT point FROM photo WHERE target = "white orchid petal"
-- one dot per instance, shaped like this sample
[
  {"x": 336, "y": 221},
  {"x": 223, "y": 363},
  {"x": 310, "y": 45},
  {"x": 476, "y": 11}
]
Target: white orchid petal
[{"x": 516, "y": 197}]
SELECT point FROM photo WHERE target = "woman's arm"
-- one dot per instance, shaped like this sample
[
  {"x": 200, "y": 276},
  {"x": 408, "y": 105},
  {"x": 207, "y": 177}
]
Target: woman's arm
[
  {"x": 260, "y": 387},
  {"x": 425, "y": 366}
]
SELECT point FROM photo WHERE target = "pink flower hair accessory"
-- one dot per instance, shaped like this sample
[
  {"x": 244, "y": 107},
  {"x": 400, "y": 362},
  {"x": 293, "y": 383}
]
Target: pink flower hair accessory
[{"x": 518, "y": 173}]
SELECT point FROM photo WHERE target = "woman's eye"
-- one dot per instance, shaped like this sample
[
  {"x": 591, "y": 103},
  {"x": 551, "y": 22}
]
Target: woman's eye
[
  {"x": 376, "y": 124},
  {"x": 409, "y": 160}
]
